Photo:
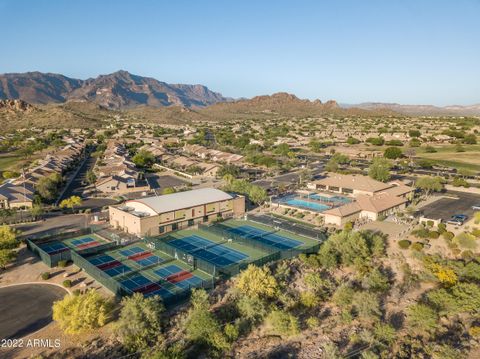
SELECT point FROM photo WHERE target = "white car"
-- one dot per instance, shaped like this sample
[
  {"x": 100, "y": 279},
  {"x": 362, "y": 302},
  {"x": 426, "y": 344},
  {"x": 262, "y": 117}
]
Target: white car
[{"x": 476, "y": 207}]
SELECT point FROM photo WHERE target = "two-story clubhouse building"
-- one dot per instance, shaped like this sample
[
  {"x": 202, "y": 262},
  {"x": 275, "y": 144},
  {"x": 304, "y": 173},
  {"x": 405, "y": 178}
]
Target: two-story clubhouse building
[{"x": 153, "y": 216}]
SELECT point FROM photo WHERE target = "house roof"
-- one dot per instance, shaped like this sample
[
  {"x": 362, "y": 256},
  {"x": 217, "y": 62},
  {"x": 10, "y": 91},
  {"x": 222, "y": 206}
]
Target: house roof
[
  {"x": 180, "y": 200},
  {"x": 345, "y": 210},
  {"x": 360, "y": 183},
  {"x": 379, "y": 203}
]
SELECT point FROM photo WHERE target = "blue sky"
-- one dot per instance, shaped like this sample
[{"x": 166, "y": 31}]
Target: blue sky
[{"x": 411, "y": 51}]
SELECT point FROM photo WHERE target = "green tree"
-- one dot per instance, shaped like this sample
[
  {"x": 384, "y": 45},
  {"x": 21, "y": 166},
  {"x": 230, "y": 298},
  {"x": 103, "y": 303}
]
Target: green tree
[
  {"x": 201, "y": 325},
  {"x": 6, "y": 256},
  {"x": 380, "y": 169},
  {"x": 353, "y": 141},
  {"x": 375, "y": 280},
  {"x": 90, "y": 177},
  {"x": 140, "y": 322},
  {"x": 257, "y": 194},
  {"x": 430, "y": 184},
  {"x": 36, "y": 211},
  {"x": 414, "y": 133},
  {"x": 229, "y": 169},
  {"x": 80, "y": 313},
  {"x": 392, "y": 153},
  {"x": 8, "y": 237},
  {"x": 49, "y": 187},
  {"x": 143, "y": 159}
]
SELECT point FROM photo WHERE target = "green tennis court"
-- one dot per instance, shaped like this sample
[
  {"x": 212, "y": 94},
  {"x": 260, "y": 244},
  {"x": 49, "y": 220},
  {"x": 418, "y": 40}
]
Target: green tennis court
[
  {"x": 281, "y": 239},
  {"x": 84, "y": 242}
]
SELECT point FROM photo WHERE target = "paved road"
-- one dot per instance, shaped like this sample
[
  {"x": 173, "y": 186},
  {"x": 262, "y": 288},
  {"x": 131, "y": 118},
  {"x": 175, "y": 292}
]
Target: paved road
[
  {"x": 26, "y": 308},
  {"x": 75, "y": 187},
  {"x": 54, "y": 222}
]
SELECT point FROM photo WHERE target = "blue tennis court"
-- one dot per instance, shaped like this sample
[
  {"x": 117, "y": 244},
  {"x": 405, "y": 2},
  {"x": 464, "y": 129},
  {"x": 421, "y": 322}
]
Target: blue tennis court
[
  {"x": 151, "y": 260},
  {"x": 271, "y": 239},
  {"x": 118, "y": 270},
  {"x": 135, "y": 282},
  {"x": 141, "y": 284},
  {"x": 184, "y": 279},
  {"x": 101, "y": 259},
  {"x": 55, "y": 247},
  {"x": 80, "y": 241},
  {"x": 209, "y": 251},
  {"x": 167, "y": 271},
  {"x": 110, "y": 265},
  {"x": 131, "y": 251}
]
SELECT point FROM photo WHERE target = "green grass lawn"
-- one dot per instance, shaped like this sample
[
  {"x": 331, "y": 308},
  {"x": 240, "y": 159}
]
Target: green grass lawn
[
  {"x": 8, "y": 161},
  {"x": 448, "y": 156}
]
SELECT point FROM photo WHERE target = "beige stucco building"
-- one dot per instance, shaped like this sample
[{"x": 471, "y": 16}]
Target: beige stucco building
[{"x": 153, "y": 216}]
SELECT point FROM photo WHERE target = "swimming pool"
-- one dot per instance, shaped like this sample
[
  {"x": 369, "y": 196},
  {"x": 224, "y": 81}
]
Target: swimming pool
[{"x": 317, "y": 207}]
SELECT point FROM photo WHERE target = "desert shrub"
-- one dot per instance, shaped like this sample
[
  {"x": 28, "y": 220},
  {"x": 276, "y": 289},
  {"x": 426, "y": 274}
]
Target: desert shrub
[
  {"x": 421, "y": 232},
  {"x": 62, "y": 263},
  {"x": 433, "y": 234},
  {"x": 417, "y": 246},
  {"x": 456, "y": 251},
  {"x": 283, "y": 323},
  {"x": 67, "y": 283},
  {"x": 467, "y": 255},
  {"x": 466, "y": 240},
  {"x": 448, "y": 235},
  {"x": 76, "y": 292},
  {"x": 231, "y": 332},
  {"x": 442, "y": 227},
  {"x": 430, "y": 223},
  {"x": 476, "y": 232},
  {"x": 474, "y": 331},
  {"x": 422, "y": 318},
  {"x": 312, "y": 322},
  {"x": 45, "y": 275},
  {"x": 404, "y": 243},
  {"x": 309, "y": 299}
]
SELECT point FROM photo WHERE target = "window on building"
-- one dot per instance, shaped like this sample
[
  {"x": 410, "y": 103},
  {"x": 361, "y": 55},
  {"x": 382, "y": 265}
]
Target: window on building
[
  {"x": 174, "y": 226},
  {"x": 190, "y": 222},
  {"x": 161, "y": 229}
]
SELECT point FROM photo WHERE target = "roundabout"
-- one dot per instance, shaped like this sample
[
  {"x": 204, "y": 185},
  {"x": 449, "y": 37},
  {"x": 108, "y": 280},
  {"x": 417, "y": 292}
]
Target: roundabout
[{"x": 27, "y": 308}]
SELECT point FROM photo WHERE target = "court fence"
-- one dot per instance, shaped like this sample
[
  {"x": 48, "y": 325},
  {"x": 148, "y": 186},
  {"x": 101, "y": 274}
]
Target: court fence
[
  {"x": 34, "y": 244},
  {"x": 273, "y": 254},
  {"x": 255, "y": 241},
  {"x": 100, "y": 276}
]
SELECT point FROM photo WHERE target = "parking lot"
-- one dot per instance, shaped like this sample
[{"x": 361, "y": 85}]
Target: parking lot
[
  {"x": 157, "y": 182},
  {"x": 455, "y": 203}
]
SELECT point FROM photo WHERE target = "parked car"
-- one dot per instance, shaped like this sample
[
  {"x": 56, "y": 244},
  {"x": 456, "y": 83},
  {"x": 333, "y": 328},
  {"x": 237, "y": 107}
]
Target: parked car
[
  {"x": 457, "y": 219},
  {"x": 476, "y": 207}
]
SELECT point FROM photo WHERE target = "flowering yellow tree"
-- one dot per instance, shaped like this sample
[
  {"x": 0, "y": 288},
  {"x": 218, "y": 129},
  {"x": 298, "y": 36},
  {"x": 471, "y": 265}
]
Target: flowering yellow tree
[
  {"x": 257, "y": 282},
  {"x": 80, "y": 313}
]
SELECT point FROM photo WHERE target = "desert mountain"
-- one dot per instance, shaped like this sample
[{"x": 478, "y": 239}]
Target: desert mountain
[
  {"x": 114, "y": 91},
  {"x": 420, "y": 110},
  {"x": 282, "y": 104},
  {"x": 20, "y": 114}
]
